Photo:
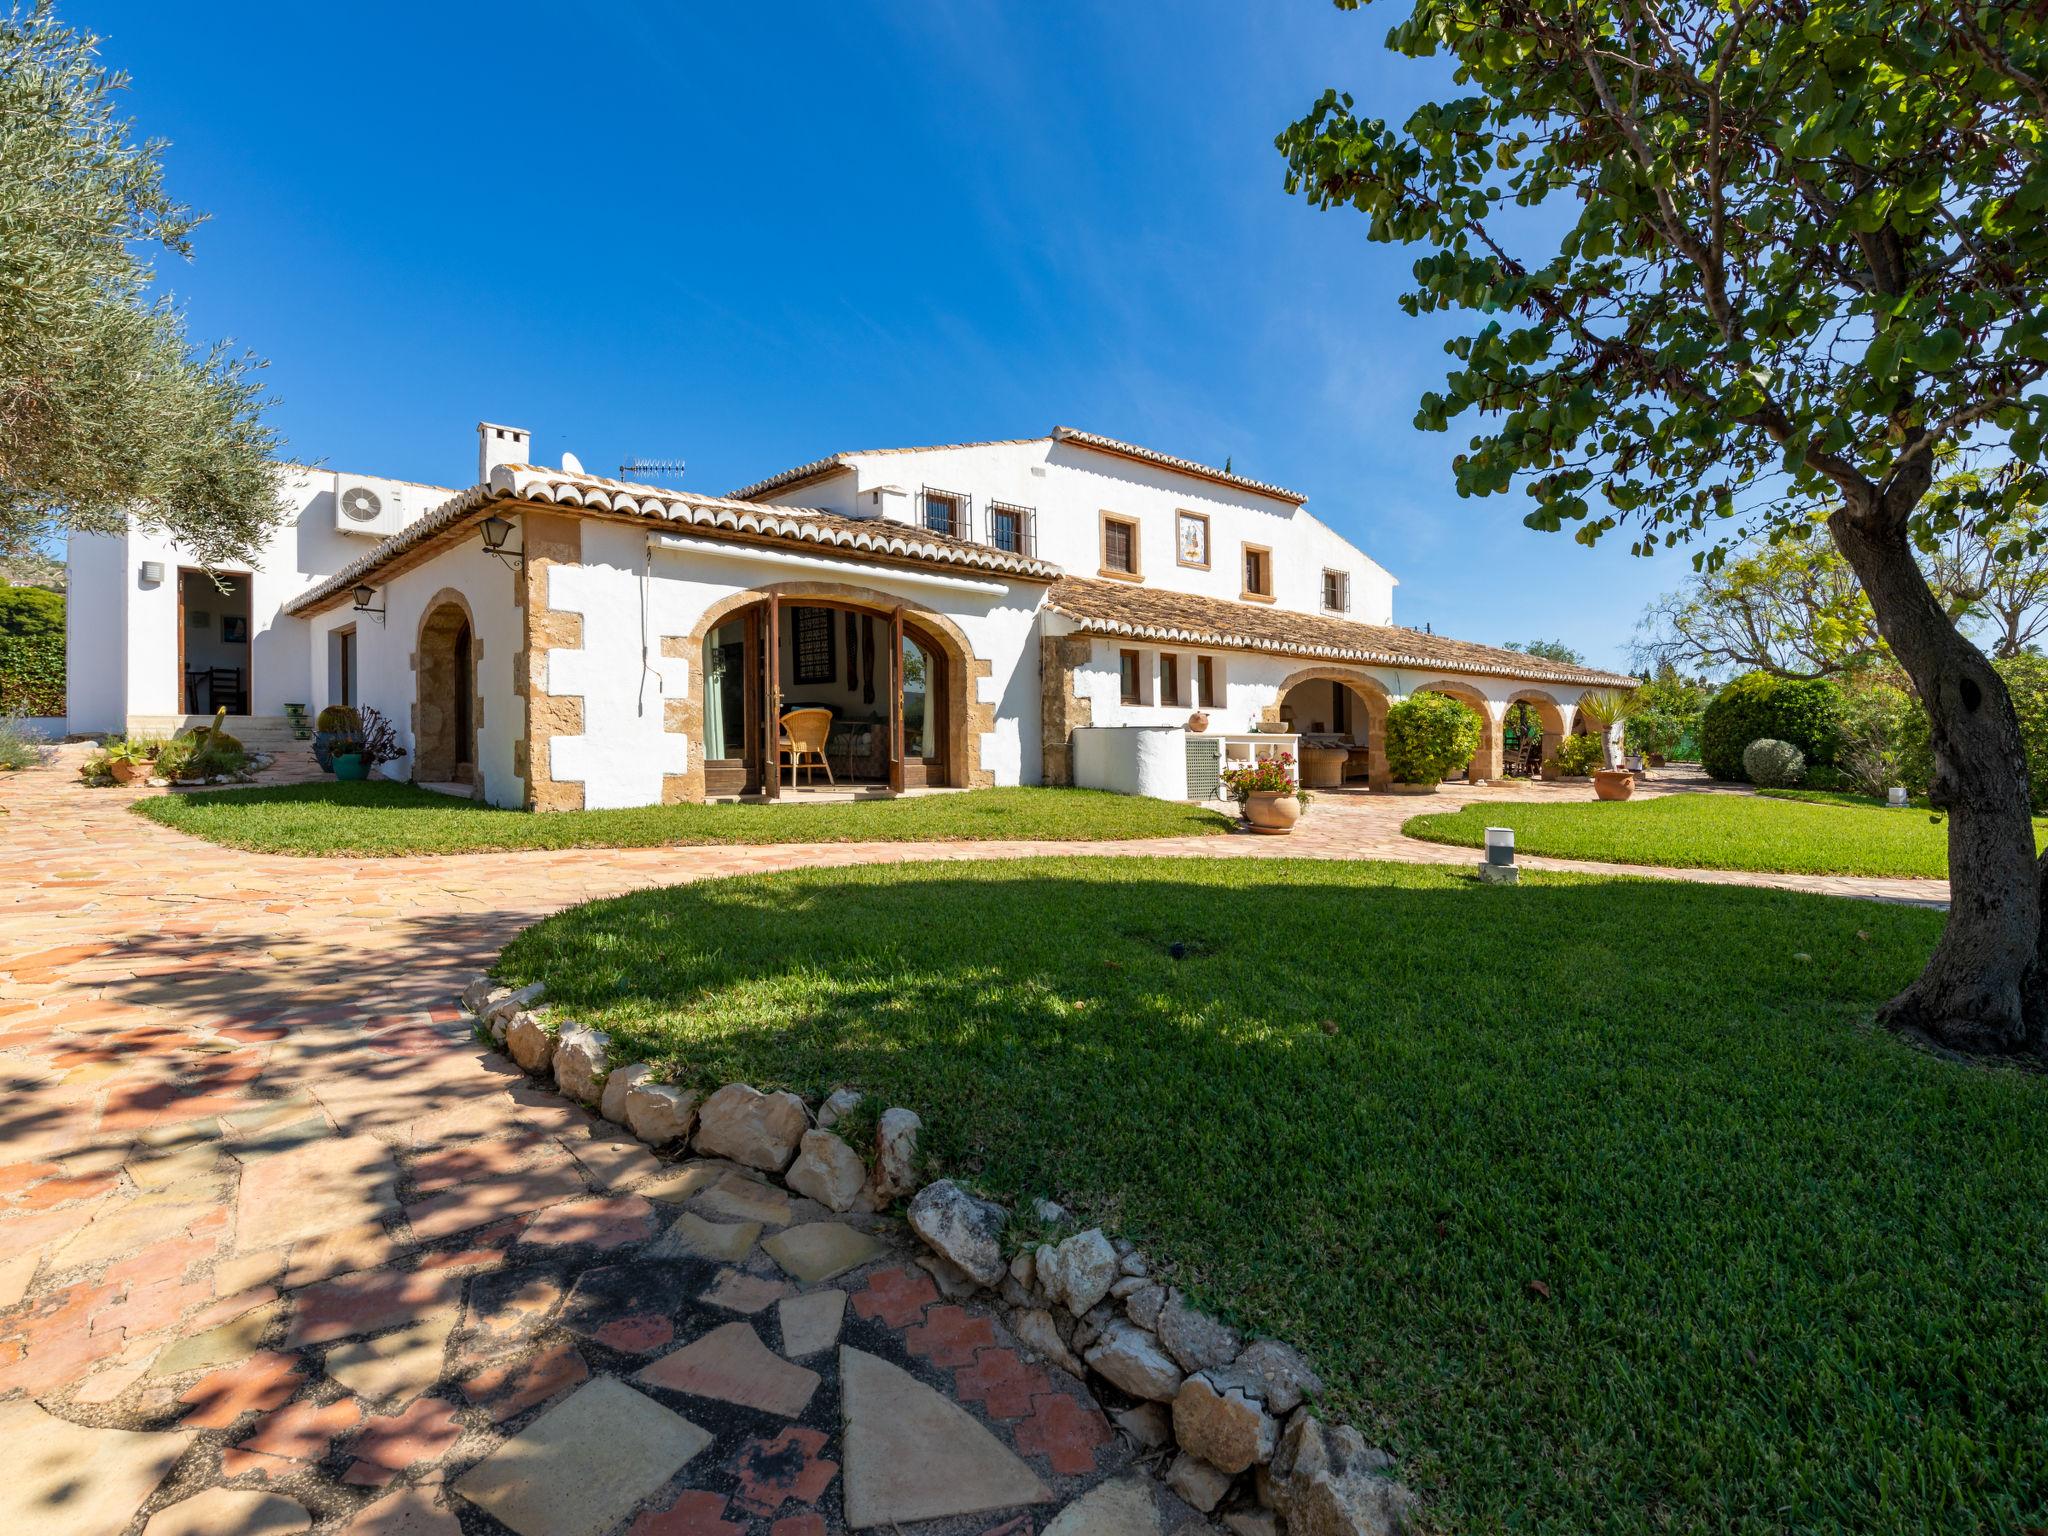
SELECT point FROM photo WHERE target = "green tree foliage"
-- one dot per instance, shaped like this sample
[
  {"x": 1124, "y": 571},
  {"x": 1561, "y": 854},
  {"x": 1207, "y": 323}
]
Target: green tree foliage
[
  {"x": 1430, "y": 737},
  {"x": 1794, "y": 608},
  {"x": 1758, "y": 706},
  {"x": 1727, "y": 263},
  {"x": 31, "y": 651},
  {"x": 1548, "y": 650},
  {"x": 1667, "y": 718},
  {"x": 105, "y": 408},
  {"x": 2027, "y": 679}
]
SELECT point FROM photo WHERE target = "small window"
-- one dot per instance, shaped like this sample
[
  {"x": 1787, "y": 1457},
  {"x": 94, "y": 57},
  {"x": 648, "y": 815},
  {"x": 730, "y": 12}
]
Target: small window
[
  {"x": 945, "y": 512},
  {"x": 1169, "y": 679},
  {"x": 1009, "y": 528},
  {"x": 1191, "y": 539},
  {"x": 1258, "y": 572},
  {"x": 1119, "y": 546},
  {"x": 1205, "y": 682},
  {"x": 1127, "y": 664},
  {"x": 1337, "y": 591}
]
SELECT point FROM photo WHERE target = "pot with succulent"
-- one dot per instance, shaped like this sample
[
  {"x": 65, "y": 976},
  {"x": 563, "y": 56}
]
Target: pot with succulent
[
  {"x": 1268, "y": 793},
  {"x": 374, "y": 742},
  {"x": 1603, "y": 709},
  {"x": 337, "y": 722}
]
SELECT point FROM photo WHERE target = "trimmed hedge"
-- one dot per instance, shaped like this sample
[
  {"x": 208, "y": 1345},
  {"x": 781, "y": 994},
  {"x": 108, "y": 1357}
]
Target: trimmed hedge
[
  {"x": 1807, "y": 712},
  {"x": 31, "y": 651}
]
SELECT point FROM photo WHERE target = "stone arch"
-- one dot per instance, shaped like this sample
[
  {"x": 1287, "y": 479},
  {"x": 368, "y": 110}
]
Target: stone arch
[
  {"x": 1373, "y": 699},
  {"x": 1554, "y": 719},
  {"x": 448, "y": 709},
  {"x": 967, "y": 717},
  {"x": 1486, "y": 762}
]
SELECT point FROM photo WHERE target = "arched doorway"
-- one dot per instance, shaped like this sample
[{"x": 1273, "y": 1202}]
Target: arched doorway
[
  {"x": 1531, "y": 732},
  {"x": 444, "y": 714},
  {"x": 1333, "y": 711},
  {"x": 1486, "y": 762},
  {"x": 892, "y": 682}
]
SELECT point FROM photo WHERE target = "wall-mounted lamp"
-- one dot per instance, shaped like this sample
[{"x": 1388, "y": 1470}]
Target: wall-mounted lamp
[
  {"x": 363, "y": 595},
  {"x": 496, "y": 530},
  {"x": 1499, "y": 866},
  {"x": 153, "y": 572}
]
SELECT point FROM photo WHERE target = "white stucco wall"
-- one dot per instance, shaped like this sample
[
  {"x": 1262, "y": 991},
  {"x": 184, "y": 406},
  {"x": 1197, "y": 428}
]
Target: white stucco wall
[
  {"x": 1133, "y": 760},
  {"x": 96, "y": 631},
  {"x": 1070, "y": 487}
]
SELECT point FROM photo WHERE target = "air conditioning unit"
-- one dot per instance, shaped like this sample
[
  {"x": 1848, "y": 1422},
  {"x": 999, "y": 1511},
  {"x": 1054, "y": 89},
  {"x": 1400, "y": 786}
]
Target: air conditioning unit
[{"x": 375, "y": 509}]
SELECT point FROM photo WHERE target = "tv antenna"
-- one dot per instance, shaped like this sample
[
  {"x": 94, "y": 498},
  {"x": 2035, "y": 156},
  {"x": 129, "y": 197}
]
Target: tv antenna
[{"x": 646, "y": 470}]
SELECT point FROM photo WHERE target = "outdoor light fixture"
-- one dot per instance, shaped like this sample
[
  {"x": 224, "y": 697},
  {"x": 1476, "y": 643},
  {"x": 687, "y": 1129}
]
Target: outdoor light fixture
[
  {"x": 1895, "y": 797},
  {"x": 1498, "y": 867},
  {"x": 153, "y": 572},
  {"x": 363, "y": 595},
  {"x": 496, "y": 530}
]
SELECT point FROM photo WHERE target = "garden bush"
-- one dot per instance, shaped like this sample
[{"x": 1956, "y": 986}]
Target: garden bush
[
  {"x": 2026, "y": 677},
  {"x": 1806, "y": 712},
  {"x": 20, "y": 746},
  {"x": 31, "y": 651},
  {"x": 1579, "y": 755},
  {"x": 1430, "y": 737},
  {"x": 1773, "y": 764}
]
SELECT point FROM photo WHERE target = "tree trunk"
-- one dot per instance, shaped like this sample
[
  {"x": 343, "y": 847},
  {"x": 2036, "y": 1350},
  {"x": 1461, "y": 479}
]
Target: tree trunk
[{"x": 1985, "y": 988}]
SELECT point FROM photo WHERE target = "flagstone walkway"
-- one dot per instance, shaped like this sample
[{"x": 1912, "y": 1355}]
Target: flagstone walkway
[{"x": 282, "y": 1249}]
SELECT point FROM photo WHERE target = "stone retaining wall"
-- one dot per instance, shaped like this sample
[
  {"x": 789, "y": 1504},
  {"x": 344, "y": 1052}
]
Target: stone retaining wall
[{"x": 1231, "y": 1419}]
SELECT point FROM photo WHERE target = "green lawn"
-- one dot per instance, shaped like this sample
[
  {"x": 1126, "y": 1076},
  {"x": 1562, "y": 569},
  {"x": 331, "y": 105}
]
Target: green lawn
[
  {"x": 380, "y": 818},
  {"x": 1808, "y": 835},
  {"x": 1796, "y": 1272}
]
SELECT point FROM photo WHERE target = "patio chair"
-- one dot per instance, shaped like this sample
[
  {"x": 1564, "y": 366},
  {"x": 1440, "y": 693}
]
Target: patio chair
[
  {"x": 224, "y": 686},
  {"x": 804, "y": 734}
]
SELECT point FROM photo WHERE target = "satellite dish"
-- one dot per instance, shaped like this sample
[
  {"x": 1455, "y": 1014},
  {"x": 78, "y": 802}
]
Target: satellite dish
[{"x": 571, "y": 465}]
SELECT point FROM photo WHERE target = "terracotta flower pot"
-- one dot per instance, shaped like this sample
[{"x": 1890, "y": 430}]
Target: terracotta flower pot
[
  {"x": 125, "y": 770},
  {"x": 1614, "y": 784},
  {"x": 1272, "y": 810},
  {"x": 1411, "y": 789}
]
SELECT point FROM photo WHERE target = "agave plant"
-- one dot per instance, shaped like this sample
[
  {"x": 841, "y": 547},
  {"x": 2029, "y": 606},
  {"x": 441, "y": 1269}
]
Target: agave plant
[{"x": 1605, "y": 708}]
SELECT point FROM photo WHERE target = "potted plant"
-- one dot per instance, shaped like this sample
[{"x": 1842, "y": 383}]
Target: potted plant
[
  {"x": 127, "y": 766},
  {"x": 1429, "y": 737},
  {"x": 335, "y": 722},
  {"x": 376, "y": 742},
  {"x": 1604, "y": 709},
  {"x": 302, "y": 729},
  {"x": 1268, "y": 793}
]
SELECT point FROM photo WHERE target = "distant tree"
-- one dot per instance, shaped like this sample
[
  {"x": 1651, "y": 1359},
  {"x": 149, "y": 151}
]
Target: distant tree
[
  {"x": 33, "y": 569},
  {"x": 1794, "y": 608},
  {"x": 105, "y": 409},
  {"x": 1548, "y": 650},
  {"x": 1800, "y": 255},
  {"x": 2000, "y": 582}
]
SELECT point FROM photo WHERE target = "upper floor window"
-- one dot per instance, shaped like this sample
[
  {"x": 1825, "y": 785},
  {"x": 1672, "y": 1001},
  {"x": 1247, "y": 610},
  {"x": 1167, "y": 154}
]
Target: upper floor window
[
  {"x": 1258, "y": 572},
  {"x": 1337, "y": 591},
  {"x": 1191, "y": 539},
  {"x": 1119, "y": 546},
  {"x": 1010, "y": 528},
  {"x": 1128, "y": 663},
  {"x": 945, "y": 512}
]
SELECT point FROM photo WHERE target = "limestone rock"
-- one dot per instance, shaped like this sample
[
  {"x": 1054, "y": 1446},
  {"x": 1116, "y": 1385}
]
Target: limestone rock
[
  {"x": 954, "y": 1283},
  {"x": 828, "y": 1171},
  {"x": 896, "y": 1155},
  {"x": 1092, "y": 1324},
  {"x": 1329, "y": 1482},
  {"x": 479, "y": 992},
  {"x": 1222, "y": 1423},
  {"x": 1131, "y": 1358},
  {"x": 613, "y": 1105},
  {"x": 1024, "y": 1269},
  {"x": 1134, "y": 1263},
  {"x": 582, "y": 1062},
  {"x": 1200, "y": 1484},
  {"x": 963, "y": 1228},
  {"x": 1144, "y": 1302},
  {"x": 1080, "y": 1271},
  {"x": 1251, "y": 1522},
  {"x": 838, "y": 1104},
  {"x": 1284, "y": 1377},
  {"x": 1194, "y": 1339},
  {"x": 1037, "y": 1332},
  {"x": 531, "y": 1045},
  {"x": 758, "y": 1129},
  {"x": 659, "y": 1113},
  {"x": 504, "y": 1004},
  {"x": 1051, "y": 1212},
  {"x": 1149, "y": 1424}
]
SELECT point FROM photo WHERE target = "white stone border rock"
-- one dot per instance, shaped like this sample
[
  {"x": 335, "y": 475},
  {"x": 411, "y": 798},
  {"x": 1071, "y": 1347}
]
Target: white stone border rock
[{"x": 1233, "y": 1417}]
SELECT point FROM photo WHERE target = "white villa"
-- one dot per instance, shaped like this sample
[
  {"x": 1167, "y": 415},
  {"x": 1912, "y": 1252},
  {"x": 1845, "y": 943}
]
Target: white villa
[{"x": 1048, "y": 610}]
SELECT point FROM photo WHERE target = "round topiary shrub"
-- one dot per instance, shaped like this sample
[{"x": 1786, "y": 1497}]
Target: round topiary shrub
[
  {"x": 1429, "y": 737},
  {"x": 1806, "y": 712},
  {"x": 1773, "y": 764}
]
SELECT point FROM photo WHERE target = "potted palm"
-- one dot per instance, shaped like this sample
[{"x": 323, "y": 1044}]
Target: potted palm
[
  {"x": 1268, "y": 793},
  {"x": 1603, "y": 710}
]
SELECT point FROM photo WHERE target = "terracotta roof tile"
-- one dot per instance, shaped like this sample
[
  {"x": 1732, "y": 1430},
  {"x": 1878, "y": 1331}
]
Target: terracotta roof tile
[{"x": 1150, "y": 613}]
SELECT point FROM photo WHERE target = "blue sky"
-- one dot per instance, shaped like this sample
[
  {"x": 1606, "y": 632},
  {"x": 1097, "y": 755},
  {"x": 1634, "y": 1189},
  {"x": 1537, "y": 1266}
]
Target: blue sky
[{"x": 750, "y": 236}]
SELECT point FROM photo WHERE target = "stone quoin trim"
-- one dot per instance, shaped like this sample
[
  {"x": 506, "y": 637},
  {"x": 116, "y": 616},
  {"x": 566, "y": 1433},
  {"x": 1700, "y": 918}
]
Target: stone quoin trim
[
  {"x": 549, "y": 540},
  {"x": 1234, "y": 1412},
  {"x": 434, "y": 750},
  {"x": 1062, "y": 710}
]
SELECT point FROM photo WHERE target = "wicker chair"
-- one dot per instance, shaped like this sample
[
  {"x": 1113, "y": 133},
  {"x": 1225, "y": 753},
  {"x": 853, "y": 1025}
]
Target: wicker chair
[{"x": 804, "y": 733}]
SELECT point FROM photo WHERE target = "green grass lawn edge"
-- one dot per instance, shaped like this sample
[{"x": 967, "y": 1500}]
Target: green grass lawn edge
[{"x": 380, "y": 819}]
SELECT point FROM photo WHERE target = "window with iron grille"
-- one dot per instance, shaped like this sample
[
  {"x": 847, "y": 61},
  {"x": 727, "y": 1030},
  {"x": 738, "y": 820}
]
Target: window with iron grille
[
  {"x": 1119, "y": 545},
  {"x": 1010, "y": 528},
  {"x": 1337, "y": 591},
  {"x": 945, "y": 512}
]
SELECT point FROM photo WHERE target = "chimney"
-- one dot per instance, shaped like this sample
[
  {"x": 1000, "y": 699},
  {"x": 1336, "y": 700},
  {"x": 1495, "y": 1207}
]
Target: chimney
[
  {"x": 890, "y": 503},
  {"x": 500, "y": 445}
]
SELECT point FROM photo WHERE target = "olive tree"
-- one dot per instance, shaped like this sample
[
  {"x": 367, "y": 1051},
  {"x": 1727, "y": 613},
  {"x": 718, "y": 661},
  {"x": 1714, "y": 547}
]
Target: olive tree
[
  {"x": 1727, "y": 261},
  {"x": 106, "y": 411}
]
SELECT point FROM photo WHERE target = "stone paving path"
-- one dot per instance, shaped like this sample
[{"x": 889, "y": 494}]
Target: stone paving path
[{"x": 282, "y": 1249}]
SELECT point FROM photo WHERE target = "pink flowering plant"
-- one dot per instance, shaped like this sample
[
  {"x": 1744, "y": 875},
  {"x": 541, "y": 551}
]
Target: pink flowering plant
[{"x": 1274, "y": 775}]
